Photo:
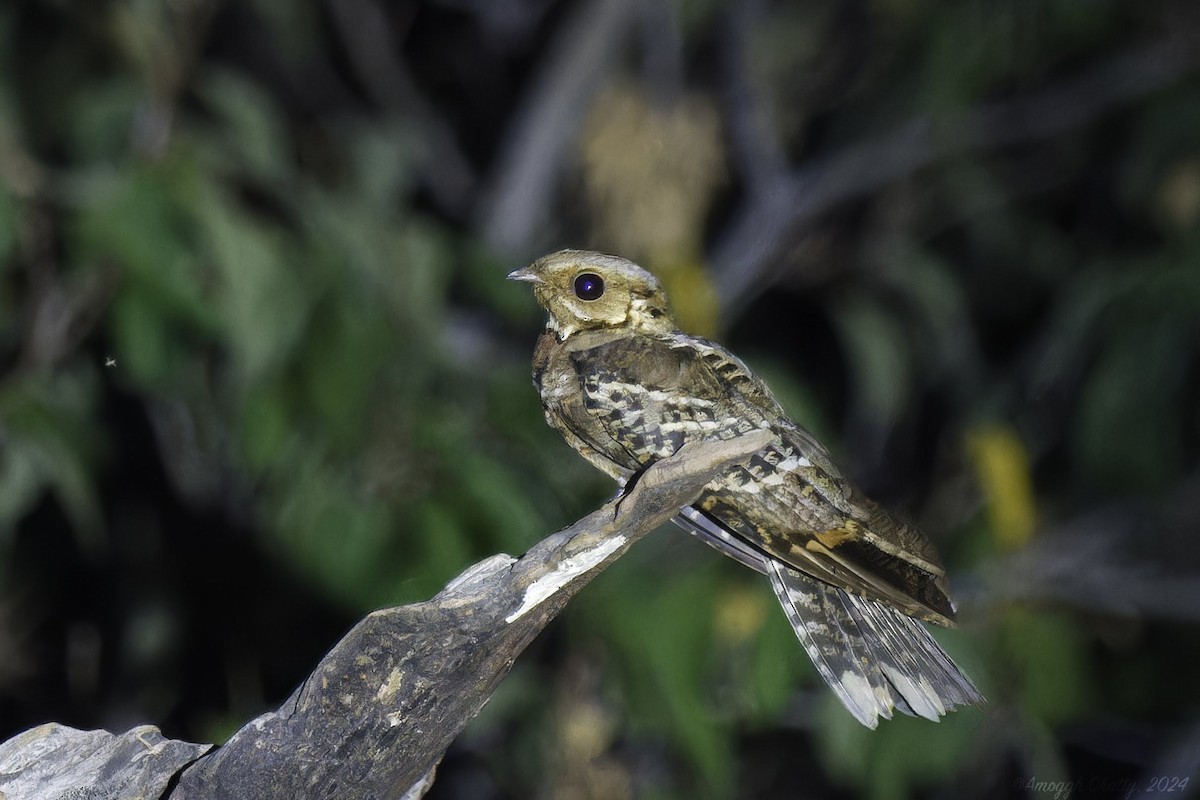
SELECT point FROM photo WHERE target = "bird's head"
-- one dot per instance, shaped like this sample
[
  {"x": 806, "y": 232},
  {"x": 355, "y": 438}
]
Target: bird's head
[{"x": 582, "y": 290}]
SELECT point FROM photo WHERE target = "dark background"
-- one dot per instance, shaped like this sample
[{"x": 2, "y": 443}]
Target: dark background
[{"x": 260, "y": 371}]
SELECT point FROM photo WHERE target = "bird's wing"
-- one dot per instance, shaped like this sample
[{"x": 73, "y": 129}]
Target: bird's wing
[
  {"x": 874, "y": 657},
  {"x": 648, "y": 395},
  {"x": 847, "y": 575}
]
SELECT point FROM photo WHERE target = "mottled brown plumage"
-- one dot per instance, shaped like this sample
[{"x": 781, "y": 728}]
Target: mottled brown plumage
[{"x": 624, "y": 386}]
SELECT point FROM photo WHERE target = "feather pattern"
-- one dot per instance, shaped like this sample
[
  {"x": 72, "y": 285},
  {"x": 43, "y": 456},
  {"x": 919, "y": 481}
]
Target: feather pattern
[
  {"x": 625, "y": 387},
  {"x": 874, "y": 657}
]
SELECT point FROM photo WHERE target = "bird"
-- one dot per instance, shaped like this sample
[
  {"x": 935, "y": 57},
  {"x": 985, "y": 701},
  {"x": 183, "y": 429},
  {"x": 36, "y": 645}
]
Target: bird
[{"x": 625, "y": 387}]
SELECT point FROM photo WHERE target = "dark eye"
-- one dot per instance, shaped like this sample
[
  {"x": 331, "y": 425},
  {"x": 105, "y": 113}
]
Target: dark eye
[{"x": 589, "y": 286}]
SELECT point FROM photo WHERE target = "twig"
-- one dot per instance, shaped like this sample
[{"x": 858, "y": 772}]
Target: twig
[
  {"x": 538, "y": 142},
  {"x": 753, "y": 143},
  {"x": 1077, "y": 563},
  {"x": 778, "y": 211},
  {"x": 374, "y": 57}
]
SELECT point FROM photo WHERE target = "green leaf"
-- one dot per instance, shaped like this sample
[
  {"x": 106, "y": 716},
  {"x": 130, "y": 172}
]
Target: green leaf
[
  {"x": 340, "y": 538},
  {"x": 664, "y": 638},
  {"x": 9, "y": 210},
  {"x": 404, "y": 267},
  {"x": 913, "y": 753},
  {"x": 340, "y": 364},
  {"x": 1129, "y": 431},
  {"x": 142, "y": 338},
  {"x": 49, "y": 445},
  {"x": 263, "y": 297},
  {"x": 779, "y": 666},
  {"x": 938, "y": 312},
  {"x": 443, "y": 547},
  {"x": 101, "y": 121},
  {"x": 1051, "y": 663},
  {"x": 878, "y": 357},
  {"x": 383, "y": 156},
  {"x": 265, "y": 425},
  {"x": 295, "y": 29},
  {"x": 138, "y": 225},
  {"x": 250, "y": 128}
]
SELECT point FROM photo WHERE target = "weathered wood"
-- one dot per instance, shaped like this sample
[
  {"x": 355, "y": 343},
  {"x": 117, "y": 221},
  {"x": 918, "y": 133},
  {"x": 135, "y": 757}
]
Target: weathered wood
[
  {"x": 54, "y": 762},
  {"x": 376, "y": 716}
]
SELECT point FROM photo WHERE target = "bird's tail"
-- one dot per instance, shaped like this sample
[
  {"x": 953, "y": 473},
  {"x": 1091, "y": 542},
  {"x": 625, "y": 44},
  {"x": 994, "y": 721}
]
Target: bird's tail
[{"x": 874, "y": 657}]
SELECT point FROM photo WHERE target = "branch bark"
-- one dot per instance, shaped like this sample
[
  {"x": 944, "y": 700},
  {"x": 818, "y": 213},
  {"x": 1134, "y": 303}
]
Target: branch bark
[{"x": 376, "y": 716}]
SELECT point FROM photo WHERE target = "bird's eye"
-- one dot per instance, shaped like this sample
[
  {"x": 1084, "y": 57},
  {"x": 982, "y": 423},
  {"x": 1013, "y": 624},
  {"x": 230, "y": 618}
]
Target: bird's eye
[{"x": 589, "y": 286}]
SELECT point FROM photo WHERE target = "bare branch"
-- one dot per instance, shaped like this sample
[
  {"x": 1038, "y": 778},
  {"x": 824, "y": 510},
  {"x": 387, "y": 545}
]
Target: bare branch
[
  {"x": 376, "y": 61},
  {"x": 753, "y": 143},
  {"x": 376, "y": 716},
  {"x": 1101, "y": 563},
  {"x": 54, "y": 761},
  {"x": 778, "y": 212},
  {"x": 537, "y": 143}
]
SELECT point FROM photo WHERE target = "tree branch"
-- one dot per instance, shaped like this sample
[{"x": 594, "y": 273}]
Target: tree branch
[
  {"x": 780, "y": 208},
  {"x": 375, "y": 717},
  {"x": 375, "y": 58},
  {"x": 538, "y": 141}
]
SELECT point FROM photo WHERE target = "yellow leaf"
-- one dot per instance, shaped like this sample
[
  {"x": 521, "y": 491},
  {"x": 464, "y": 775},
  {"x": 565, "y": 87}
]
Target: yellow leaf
[
  {"x": 1179, "y": 194},
  {"x": 740, "y": 614},
  {"x": 1002, "y": 468}
]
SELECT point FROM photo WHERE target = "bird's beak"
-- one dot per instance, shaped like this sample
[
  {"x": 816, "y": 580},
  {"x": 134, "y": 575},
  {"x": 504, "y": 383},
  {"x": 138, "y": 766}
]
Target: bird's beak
[{"x": 524, "y": 274}]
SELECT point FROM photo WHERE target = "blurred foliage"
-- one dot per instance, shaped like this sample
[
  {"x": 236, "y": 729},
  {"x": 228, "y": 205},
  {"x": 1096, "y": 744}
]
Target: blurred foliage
[
  {"x": 1002, "y": 464},
  {"x": 648, "y": 200},
  {"x": 260, "y": 371}
]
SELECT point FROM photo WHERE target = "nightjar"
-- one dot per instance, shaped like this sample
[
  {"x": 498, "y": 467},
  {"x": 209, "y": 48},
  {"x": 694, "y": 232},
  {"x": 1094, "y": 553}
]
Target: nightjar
[{"x": 625, "y": 387}]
